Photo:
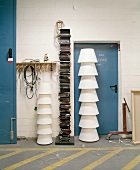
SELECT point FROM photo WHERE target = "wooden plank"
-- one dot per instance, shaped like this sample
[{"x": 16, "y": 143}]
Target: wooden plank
[
  {"x": 40, "y": 66},
  {"x": 135, "y": 116}
]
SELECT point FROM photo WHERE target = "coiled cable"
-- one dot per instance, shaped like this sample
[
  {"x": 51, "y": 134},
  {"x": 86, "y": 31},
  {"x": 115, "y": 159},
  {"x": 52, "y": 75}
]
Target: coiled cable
[{"x": 30, "y": 80}]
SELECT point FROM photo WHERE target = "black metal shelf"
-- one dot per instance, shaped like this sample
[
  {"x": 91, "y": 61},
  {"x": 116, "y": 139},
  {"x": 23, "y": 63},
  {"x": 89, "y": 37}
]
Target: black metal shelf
[{"x": 64, "y": 137}]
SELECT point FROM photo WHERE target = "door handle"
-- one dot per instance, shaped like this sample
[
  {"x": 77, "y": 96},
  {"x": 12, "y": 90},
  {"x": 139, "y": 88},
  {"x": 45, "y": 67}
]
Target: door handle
[
  {"x": 10, "y": 52},
  {"x": 10, "y": 55},
  {"x": 114, "y": 88}
]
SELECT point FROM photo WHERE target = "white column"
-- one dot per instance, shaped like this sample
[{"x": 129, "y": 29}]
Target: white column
[
  {"x": 44, "y": 111},
  {"x": 88, "y": 96}
]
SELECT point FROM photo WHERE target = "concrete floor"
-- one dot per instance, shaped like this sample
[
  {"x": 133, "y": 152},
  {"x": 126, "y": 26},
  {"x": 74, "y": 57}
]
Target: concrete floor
[{"x": 105, "y": 154}]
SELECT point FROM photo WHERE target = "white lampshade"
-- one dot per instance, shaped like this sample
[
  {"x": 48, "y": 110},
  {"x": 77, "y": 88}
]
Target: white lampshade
[
  {"x": 88, "y": 96},
  {"x": 88, "y": 121},
  {"x": 44, "y": 119},
  {"x": 44, "y": 109},
  {"x": 44, "y": 139},
  {"x": 87, "y": 55},
  {"x": 44, "y": 88},
  {"x": 88, "y": 82},
  {"x": 44, "y": 99},
  {"x": 88, "y": 109},
  {"x": 87, "y": 69},
  {"x": 88, "y": 135},
  {"x": 44, "y": 129}
]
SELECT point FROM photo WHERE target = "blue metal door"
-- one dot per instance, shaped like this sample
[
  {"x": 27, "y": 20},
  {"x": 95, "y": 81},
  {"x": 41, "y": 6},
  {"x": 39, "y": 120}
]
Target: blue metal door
[
  {"x": 107, "y": 79},
  {"x": 7, "y": 72}
]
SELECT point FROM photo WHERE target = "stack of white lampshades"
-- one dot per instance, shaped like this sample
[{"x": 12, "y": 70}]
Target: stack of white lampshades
[
  {"x": 88, "y": 96},
  {"x": 44, "y": 111}
]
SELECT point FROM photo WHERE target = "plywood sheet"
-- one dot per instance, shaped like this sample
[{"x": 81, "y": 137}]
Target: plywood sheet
[{"x": 136, "y": 117}]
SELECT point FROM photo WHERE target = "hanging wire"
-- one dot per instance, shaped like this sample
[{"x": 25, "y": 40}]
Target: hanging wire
[{"x": 31, "y": 79}]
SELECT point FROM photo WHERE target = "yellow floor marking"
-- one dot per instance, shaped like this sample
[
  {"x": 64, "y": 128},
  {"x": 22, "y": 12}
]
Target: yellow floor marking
[
  {"x": 40, "y": 149},
  {"x": 73, "y": 149},
  {"x": 26, "y": 161},
  {"x": 60, "y": 149},
  {"x": 47, "y": 149},
  {"x": 132, "y": 164},
  {"x": 10, "y": 154},
  {"x": 102, "y": 159},
  {"x": 65, "y": 160}
]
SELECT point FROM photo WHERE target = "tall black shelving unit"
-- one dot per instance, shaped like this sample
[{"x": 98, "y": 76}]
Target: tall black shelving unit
[{"x": 64, "y": 137}]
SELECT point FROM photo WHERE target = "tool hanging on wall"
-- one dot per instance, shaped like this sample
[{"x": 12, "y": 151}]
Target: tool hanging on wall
[{"x": 32, "y": 73}]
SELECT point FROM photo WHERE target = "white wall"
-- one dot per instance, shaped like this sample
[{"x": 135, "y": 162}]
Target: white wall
[{"x": 90, "y": 20}]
